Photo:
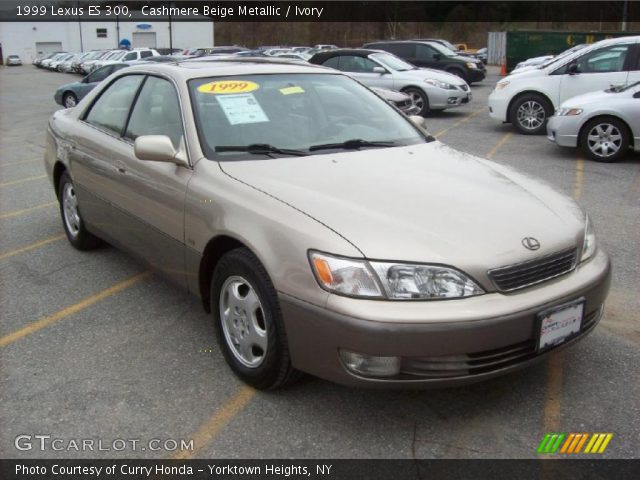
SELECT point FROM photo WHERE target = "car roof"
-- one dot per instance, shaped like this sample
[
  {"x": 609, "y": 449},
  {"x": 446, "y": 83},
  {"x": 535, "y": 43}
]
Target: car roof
[
  {"x": 337, "y": 52},
  {"x": 215, "y": 67}
]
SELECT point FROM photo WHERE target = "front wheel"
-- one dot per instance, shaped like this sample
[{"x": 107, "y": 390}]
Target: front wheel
[
  {"x": 529, "y": 114},
  {"x": 419, "y": 99},
  {"x": 249, "y": 323},
  {"x": 72, "y": 221},
  {"x": 604, "y": 139}
]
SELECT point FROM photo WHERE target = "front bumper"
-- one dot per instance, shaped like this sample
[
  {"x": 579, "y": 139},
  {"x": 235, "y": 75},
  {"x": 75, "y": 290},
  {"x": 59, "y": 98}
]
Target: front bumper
[
  {"x": 498, "y": 105},
  {"x": 440, "y": 98},
  {"x": 476, "y": 74},
  {"x": 564, "y": 130},
  {"x": 493, "y": 334}
]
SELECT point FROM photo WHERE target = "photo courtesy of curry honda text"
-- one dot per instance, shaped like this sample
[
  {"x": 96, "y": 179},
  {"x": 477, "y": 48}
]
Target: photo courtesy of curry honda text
[{"x": 325, "y": 231}]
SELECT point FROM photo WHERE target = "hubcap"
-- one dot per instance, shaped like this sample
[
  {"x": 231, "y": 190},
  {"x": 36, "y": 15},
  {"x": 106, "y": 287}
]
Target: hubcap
[
  {"x": 70, "y": 209},
  {"x": 70, "y": 101},
  {"x": 243, "y": 321},
  {"x": 604, "y": 140},
  {"x": 531, "y": 115},
  {"x": 417, "y": 99}
]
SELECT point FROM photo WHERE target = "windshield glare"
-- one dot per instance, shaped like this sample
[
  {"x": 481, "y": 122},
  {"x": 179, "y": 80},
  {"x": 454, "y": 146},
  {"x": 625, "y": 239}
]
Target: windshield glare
[
  {"x": 392, "y": 62},
  {"x": 292, "y": 111}
]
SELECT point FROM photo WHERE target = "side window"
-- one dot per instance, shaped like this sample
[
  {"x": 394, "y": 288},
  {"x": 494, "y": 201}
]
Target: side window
[
  {"x": 112, "y": 107},
  {"x": 100, "y": 74},
  {"x": 349, "y": 63},
  {"x": 333, "y": 62},
  {"x": 156, "y": 112},
  {"x": 130, "y": 56},
  {"x": 608, "y": 59},
  {"x": 146, "y": 53},
  {"x": 425, "y": 52},
  {"x": 402, "y": 50}
]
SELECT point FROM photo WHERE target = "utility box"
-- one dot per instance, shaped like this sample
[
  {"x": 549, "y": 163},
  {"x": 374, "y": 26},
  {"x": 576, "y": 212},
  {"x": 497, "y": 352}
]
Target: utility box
[{"x": 523, "y": 44}]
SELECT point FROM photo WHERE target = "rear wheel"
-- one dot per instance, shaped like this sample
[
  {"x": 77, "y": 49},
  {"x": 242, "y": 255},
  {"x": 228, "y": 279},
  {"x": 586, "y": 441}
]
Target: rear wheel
[
  {"x": 529, "y": 113},
  {"x": 249, "y": 323},
  {"x": 72, "y": 221},
  {"x": 604, "y": 139},
  {"x": 419, "y": 99}
]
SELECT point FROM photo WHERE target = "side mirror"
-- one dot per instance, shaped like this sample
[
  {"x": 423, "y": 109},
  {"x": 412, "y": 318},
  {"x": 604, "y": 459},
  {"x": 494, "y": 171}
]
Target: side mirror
[
  {"x": 637, "y": 94},
  {"x": 157, "y": 148},
  {"x": 379, "y": 70},
  {"x": 418, "y": 121},
  {"x": 573, "y": 69},
  {"x": 437, "y": 56}
]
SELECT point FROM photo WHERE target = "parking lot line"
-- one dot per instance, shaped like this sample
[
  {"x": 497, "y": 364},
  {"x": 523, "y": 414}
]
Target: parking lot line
[
  {"x": 460, "y": 122},
  {"x": 75, "y": 308},
  {"x": 17, "y": 213},
  {"x": 217, "y": 422},
  {"x": 41, "y": 243},
  {"x": 2, "y": 164},
  {"x": 23, "y": 180},
  {"x": 579, "y": 181},
  {"x": 499, "y": 145}
]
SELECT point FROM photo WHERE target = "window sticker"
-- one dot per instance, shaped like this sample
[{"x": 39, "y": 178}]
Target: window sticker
[
  {"x": 291, "y": 90},
  {"x": 224, "y": 87},
  {"x": 242, "y": 108}
]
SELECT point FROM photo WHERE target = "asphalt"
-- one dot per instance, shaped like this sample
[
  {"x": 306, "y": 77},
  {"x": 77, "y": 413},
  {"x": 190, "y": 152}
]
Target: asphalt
[{"x": 139, "y": 361}]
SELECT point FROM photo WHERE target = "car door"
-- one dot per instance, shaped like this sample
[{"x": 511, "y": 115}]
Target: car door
[
  {"x": 427, "y": 57},
  {"x": 149, "y": 211},
  {"x": 94, "y": 157},
  {"x": 595, "y": 70}
]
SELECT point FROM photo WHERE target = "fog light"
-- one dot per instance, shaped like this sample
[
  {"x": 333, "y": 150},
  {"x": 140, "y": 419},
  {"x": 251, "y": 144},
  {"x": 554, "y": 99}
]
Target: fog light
[
  {"x": 452, "y": 100},
  {"x": 370, "y": 365}
]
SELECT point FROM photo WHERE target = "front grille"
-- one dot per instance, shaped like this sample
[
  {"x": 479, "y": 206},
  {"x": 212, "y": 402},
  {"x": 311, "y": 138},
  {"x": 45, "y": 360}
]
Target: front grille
[
  {"x": 463, "y": 365},
  {"x": 541, "y": 269}
]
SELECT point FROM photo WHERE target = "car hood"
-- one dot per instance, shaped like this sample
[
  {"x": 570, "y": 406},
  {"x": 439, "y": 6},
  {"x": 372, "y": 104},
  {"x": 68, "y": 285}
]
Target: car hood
[
  {"x": 421, "y": 203},
  {"x": 423, "y": 73}
]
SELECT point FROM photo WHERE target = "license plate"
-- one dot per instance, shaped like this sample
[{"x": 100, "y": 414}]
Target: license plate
[{"x": 559, "y": 324}]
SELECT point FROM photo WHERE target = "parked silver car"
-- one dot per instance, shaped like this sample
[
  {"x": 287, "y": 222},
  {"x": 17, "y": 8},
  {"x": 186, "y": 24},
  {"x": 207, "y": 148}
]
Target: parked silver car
[
  {"x": 431, "y": 90},
  {"x": 604, "y": 124},
  {"x": 325, "y": 233},
  {"x": 14, "y": 60}
]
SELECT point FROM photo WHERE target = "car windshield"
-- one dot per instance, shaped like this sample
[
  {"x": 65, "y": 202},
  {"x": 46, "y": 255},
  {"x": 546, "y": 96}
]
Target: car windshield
[
  {"x": 562, "y": 55},
  {"x": 392, "y": 62},
  {"x": 293, "y": 114},
  {"x": 447, "y": 52}
]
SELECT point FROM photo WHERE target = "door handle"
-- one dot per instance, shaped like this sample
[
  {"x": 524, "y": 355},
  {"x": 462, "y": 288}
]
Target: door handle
[{"x": 120, "y": 167}]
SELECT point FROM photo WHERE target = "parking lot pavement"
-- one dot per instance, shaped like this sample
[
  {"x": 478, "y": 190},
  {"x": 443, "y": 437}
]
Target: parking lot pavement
[{"x": 92, "y": 346}]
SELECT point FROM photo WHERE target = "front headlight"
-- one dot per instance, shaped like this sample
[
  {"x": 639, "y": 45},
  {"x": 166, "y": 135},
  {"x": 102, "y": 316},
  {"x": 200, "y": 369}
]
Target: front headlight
[
  {"x": 568, "y": 112},
  {"x": 589, "y": 242},
  {"x": 471, "y": 65},
  {"x": 502, "y": 84},
  {"x": 439, "y": 84},
  {"x": 361, "y": 278}
]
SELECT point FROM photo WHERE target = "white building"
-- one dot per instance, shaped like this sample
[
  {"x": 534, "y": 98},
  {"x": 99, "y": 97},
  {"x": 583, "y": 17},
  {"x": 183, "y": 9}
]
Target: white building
[{"x": 29, "y": 39}]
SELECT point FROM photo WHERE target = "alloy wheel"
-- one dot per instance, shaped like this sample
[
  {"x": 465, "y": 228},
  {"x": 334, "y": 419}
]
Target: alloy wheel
[
  {"x": 604, "y": 140},
  {"x": 531, "y": 115},
  {"x": 70, "y": 209}
]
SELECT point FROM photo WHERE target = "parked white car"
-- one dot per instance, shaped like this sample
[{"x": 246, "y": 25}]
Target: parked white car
[
  {"x": 131, "y": 56},
  {"x": 603, "y": 124},
  {"x": 529, "y": 98}
]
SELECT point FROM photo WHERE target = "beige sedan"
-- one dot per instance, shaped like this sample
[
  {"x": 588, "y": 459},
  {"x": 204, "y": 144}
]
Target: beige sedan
[{"x": 323, "y": 230}]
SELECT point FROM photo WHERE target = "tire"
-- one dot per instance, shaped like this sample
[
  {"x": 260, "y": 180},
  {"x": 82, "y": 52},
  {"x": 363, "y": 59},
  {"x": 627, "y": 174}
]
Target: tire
[
  {"x": 72, "y": 222},
  {"x": 604, "y": 139},
  {"x": 459, "y": 73},
  {"x": 419, "y": 98},
  {"x": 69, "y": 100},
  {"x": 248, "y": 322},
  {"x": 529, "y": 114}
]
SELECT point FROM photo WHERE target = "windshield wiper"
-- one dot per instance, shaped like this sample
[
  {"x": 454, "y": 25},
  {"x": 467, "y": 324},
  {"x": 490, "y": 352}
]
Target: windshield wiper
[
  {"x": 353, "y": 144},
  {"x": 260, "y": 149}
]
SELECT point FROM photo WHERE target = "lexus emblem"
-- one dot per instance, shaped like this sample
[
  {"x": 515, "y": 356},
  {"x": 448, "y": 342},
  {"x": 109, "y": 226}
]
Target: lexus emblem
[{"x": 530, "y": 243}]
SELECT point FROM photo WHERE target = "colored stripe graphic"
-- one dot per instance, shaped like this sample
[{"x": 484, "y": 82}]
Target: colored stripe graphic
[{"x": 572, "y": 443}]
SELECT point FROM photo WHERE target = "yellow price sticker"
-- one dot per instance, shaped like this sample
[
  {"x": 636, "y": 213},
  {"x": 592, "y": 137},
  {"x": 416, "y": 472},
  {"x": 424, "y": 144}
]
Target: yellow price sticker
[
  {"x": 224, "y": 87},
  {"x": 291, "y": 90}
]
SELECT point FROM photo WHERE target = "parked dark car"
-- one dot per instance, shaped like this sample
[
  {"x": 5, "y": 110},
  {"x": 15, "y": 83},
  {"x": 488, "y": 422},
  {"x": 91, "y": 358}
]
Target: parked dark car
[{"x": 430, "y": 54}]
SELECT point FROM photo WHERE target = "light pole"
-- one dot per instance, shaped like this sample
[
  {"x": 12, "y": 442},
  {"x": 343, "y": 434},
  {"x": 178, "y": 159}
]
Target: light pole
[{"x": 625, "y": 14}]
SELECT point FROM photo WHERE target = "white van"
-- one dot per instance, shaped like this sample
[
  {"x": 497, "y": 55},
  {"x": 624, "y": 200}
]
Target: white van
[{"x": 527, "y": 99}]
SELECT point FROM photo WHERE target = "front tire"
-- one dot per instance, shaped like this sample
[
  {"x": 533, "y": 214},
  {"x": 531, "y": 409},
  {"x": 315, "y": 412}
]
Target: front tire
[
  {"x": 249, "y": 323},
  {"x": 419, "y": 99},
  {"x": 604, "y": 139},
  {"x": 69, "y": 100},
  {"x": 529, "y": 114},
  {"x": 72, "y": 222}
]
